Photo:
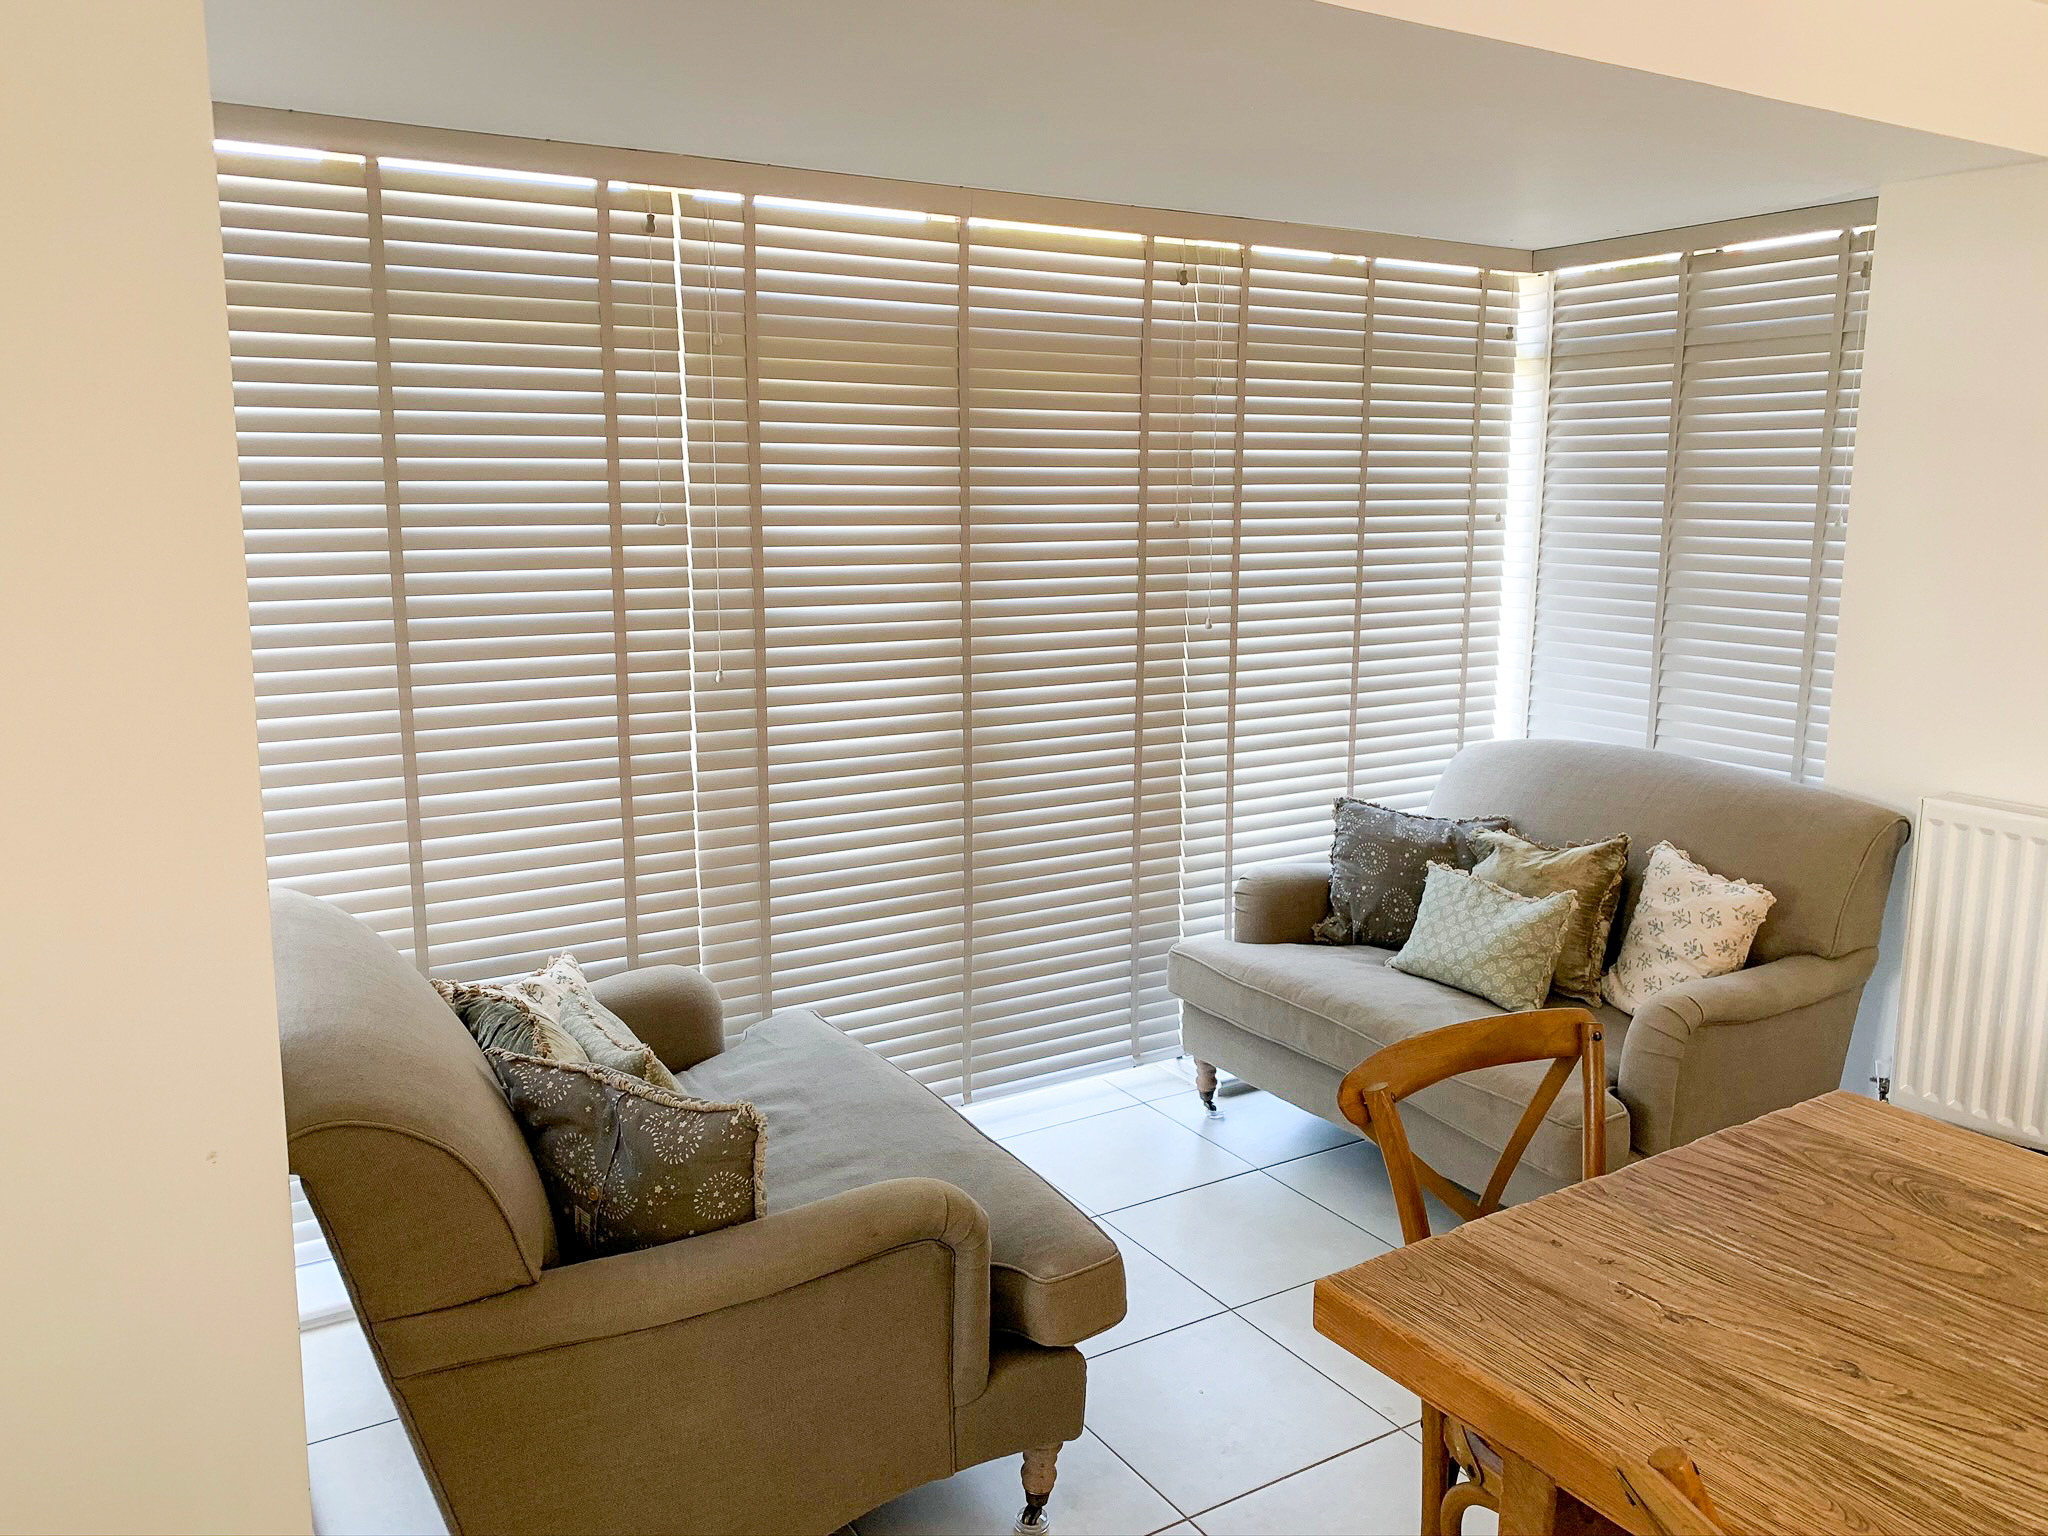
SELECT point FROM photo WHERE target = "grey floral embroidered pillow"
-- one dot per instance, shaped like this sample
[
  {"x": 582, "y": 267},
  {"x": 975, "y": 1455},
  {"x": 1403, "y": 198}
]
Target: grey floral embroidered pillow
[
  {"x": 626, "y": 1164},
  {"x": 1378, "y": 864}
]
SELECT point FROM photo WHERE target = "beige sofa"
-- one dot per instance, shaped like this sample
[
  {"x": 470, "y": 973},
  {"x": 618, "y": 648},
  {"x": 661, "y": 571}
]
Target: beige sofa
[
  {"x": 907, "y": 1306},
  {"x": 1293, "y": 1017}
]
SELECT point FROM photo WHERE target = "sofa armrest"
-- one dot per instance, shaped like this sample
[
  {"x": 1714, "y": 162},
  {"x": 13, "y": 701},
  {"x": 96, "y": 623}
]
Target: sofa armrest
[
  {"x": 673, "y": 1008},
  {"x": 1281, "y": 903},
  {"x": 1725, "y": 1049},
  {"x": 695, "y": 1276}
]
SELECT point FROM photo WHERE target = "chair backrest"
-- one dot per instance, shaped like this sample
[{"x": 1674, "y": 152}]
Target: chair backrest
[
  {"x": 1371, "y": 1091},
  {"x": 396, "y": 1124},
  {"x": 1827, "y": 857},
  {"x": 1668, "y": 1489}
]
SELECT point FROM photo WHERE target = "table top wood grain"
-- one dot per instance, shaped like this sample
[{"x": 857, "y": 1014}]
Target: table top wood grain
[{"x": 1840, "y": 1310}]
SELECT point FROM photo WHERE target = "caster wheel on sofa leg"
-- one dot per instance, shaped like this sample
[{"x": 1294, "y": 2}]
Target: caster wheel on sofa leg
[
  {"x": 1205, "y": 1085},
  {"x": 1039, "y": 1472}
]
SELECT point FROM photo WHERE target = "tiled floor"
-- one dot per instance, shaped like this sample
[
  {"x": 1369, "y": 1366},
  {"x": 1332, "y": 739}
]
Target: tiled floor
[{"x": 1214, "y": 1407}]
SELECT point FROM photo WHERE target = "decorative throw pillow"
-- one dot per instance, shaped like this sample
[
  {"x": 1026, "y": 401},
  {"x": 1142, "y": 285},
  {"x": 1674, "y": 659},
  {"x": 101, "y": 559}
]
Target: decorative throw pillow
[
  {"x": 1479, "y": 938},
  {"x": 602, "y": 1034},
  {"x": 523, "y": 1016},
  {"x": 554, "y": 1015},
  {"x": 1377, "y": 867},
  {"x": 626, "y": 1164},
  {"x": 1592, "y": 871},
  {"x": 1688, "y": 923}
]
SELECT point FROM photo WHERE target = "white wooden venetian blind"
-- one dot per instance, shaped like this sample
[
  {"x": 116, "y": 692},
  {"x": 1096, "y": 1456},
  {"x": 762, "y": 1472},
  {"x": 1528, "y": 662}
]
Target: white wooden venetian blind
[
  {"x": 1349, "y": 630},
  {"x": 1701, "y": 428},
  {"x": 917, "y": 617}
]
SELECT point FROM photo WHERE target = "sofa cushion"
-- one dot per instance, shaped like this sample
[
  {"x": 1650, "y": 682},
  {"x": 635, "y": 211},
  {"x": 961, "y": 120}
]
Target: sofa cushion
[
  {"x": 1482, "y": 938},
  {"x": 842, "y": 1117},
  {"x": 1339, "y": 1005},
  {"x": 627, "y": 1164}
]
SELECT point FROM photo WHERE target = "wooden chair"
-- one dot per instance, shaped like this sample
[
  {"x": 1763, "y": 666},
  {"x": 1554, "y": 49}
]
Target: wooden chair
[
  {"x": 1670, "y": 1492},
  {"x": 1369, "y": 1096}
]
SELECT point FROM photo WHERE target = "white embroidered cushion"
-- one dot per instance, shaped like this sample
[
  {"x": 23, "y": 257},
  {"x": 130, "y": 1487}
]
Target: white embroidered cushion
[{"x": 1688, "y": 923}]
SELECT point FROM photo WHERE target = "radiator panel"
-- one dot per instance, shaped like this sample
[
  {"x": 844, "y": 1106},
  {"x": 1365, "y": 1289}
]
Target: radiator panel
[{"x": 1973, "y": 997}]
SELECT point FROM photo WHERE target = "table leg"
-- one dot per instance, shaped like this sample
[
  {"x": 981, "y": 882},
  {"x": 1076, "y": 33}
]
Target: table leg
[
  {"x": 1436, "y": 1471},
  {"x": 1529, "y": 1499}
]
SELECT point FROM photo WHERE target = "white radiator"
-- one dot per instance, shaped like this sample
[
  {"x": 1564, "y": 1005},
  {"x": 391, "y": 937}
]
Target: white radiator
[{"x": 1973, "y": 997}]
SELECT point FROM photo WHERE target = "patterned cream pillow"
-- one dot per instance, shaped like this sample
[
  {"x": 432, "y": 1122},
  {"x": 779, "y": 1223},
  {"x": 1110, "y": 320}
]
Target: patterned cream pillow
[
  {"x": 1688, "y": 923},
  {"x": 1477, "y": 937},
  {"x": 626, "y": 1164}
]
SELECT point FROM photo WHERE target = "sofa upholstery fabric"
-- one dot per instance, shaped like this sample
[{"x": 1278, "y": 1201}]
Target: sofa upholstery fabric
[
  {"x": 1337, "y": 1005},
  {"x": 1711, "y": 1053},
  {"x": 838, "y": 1118},
  {"x": 783, "y": 1374}
]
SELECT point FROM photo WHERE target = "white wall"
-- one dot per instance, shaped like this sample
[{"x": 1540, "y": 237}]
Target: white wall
[
  {"x": 1968, "y": 68},
  {"x": 149, "y": 1370},
  {"x": 1941, "y": 678}
]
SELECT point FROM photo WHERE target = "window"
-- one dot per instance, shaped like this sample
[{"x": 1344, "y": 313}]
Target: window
[
  {"x": 922, "y": 616},
  {"x": 925, "y": 638},
  {"x": 1702, "y": 412}
]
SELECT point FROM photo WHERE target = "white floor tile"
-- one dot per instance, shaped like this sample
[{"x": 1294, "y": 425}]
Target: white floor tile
[
  {"x": 1109, "y": 1161},
  {"x": 344, "y": 1390},
  {"x": 322, "y": 1297},
  {"x": 1185, "y": 1528},
  {"x": 370, "y": 1484},
  {"x": 1289, "y": 1319},
  {"x": 1246, "y": 1238},
  {"x": 1375, "y": 1490},
  {"x": 1094, "y": 1494},
  {"x": 1159, "y": 1298},
  {"x": 1261, "y": 1128},
  {"x": 1156, "y": 1079},
  {"x": 1016, "y": 1113},
  {"x": 1211, "y": 1411},
  {"x": 1352, "y": 1181}
]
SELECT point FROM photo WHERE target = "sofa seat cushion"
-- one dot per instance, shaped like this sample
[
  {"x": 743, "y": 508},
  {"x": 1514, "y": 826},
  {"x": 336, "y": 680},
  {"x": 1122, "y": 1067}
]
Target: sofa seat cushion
[
  {"x": 839, "y": 1117},
  {"x": 1339, "y": 1005}
]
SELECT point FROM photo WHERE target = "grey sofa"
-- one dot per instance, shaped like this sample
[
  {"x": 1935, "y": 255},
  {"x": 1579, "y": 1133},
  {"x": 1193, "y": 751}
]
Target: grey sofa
[
  {"x": 1293, "y": 1017},
  {"x": 907, "y": 1306}
]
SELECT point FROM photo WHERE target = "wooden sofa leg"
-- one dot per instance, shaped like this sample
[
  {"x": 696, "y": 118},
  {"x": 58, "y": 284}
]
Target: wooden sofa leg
[
  {"x": 1205, "y": 1085},
  {"x": 1039, "y": 1472}
]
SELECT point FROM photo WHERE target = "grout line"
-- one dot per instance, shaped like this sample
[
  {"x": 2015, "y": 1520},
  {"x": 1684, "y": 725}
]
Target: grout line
[
  {"x": 1118, "y": 1210},
  {"x": 1304, "y": 1359},
  {"x": 1141, "y": 1477},
  {"x": 1270, "y": 1482},
  {"x": 345, "y": 1433}
]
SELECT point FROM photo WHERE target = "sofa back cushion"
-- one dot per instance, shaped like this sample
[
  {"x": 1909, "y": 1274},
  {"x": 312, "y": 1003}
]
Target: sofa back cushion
[
  {"x": 1827, "y": 857},
  {"x": 397, "y": 1125}
]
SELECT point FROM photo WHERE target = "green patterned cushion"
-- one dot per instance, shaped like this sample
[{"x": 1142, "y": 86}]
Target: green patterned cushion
[
  {"x": 1592, "y": 870},
  {"x": 1477, "y": 937}
]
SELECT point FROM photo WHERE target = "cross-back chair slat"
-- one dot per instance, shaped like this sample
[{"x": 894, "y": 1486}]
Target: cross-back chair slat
[
  {"x": 1370, "y": 1096},
  {"x": 1374, "y": 1088}
]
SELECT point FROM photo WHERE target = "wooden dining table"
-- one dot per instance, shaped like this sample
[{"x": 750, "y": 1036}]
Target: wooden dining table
[{"x": 1839, "y": 1311}]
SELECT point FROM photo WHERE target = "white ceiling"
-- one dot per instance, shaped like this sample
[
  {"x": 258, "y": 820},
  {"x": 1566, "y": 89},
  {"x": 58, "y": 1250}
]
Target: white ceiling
[{"x": 1282, "y": 109}]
